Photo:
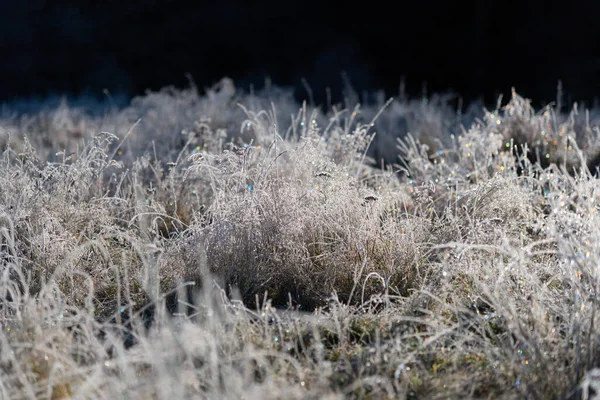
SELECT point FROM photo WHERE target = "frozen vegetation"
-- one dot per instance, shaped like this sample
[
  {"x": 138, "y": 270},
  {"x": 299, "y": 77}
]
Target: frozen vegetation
[{"x": 231, "y": 245}]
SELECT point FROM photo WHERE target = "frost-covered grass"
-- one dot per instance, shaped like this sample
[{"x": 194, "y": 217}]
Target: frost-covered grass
[{"x": 232, "y": 245}]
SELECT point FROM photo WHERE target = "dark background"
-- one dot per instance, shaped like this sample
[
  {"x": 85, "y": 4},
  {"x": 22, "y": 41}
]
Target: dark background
[{"x": 475, "y": 48}]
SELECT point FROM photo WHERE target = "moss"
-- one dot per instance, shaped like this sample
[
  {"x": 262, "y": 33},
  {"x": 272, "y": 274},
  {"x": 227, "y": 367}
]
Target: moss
[
  {"x": 439, "y": 365},
  {"x": 364, "y": 330},
  {"x": 554, "y": 284}
]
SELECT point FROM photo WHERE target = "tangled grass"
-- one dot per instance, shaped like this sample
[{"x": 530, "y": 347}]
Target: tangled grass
[{"x": 212, "y": 246}]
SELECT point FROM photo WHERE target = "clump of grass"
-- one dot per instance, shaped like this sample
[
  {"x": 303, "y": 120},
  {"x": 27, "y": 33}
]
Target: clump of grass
[{"x": 291, "y": 216}]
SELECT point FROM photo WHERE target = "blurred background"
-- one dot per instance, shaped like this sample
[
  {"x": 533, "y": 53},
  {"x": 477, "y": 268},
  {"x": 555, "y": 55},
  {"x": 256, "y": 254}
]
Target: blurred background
[{"x": 478, "y": 49}]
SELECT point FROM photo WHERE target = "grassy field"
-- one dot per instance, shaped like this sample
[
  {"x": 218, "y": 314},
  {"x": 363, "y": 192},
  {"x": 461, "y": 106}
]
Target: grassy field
[{"x": 232, "y": 245}]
